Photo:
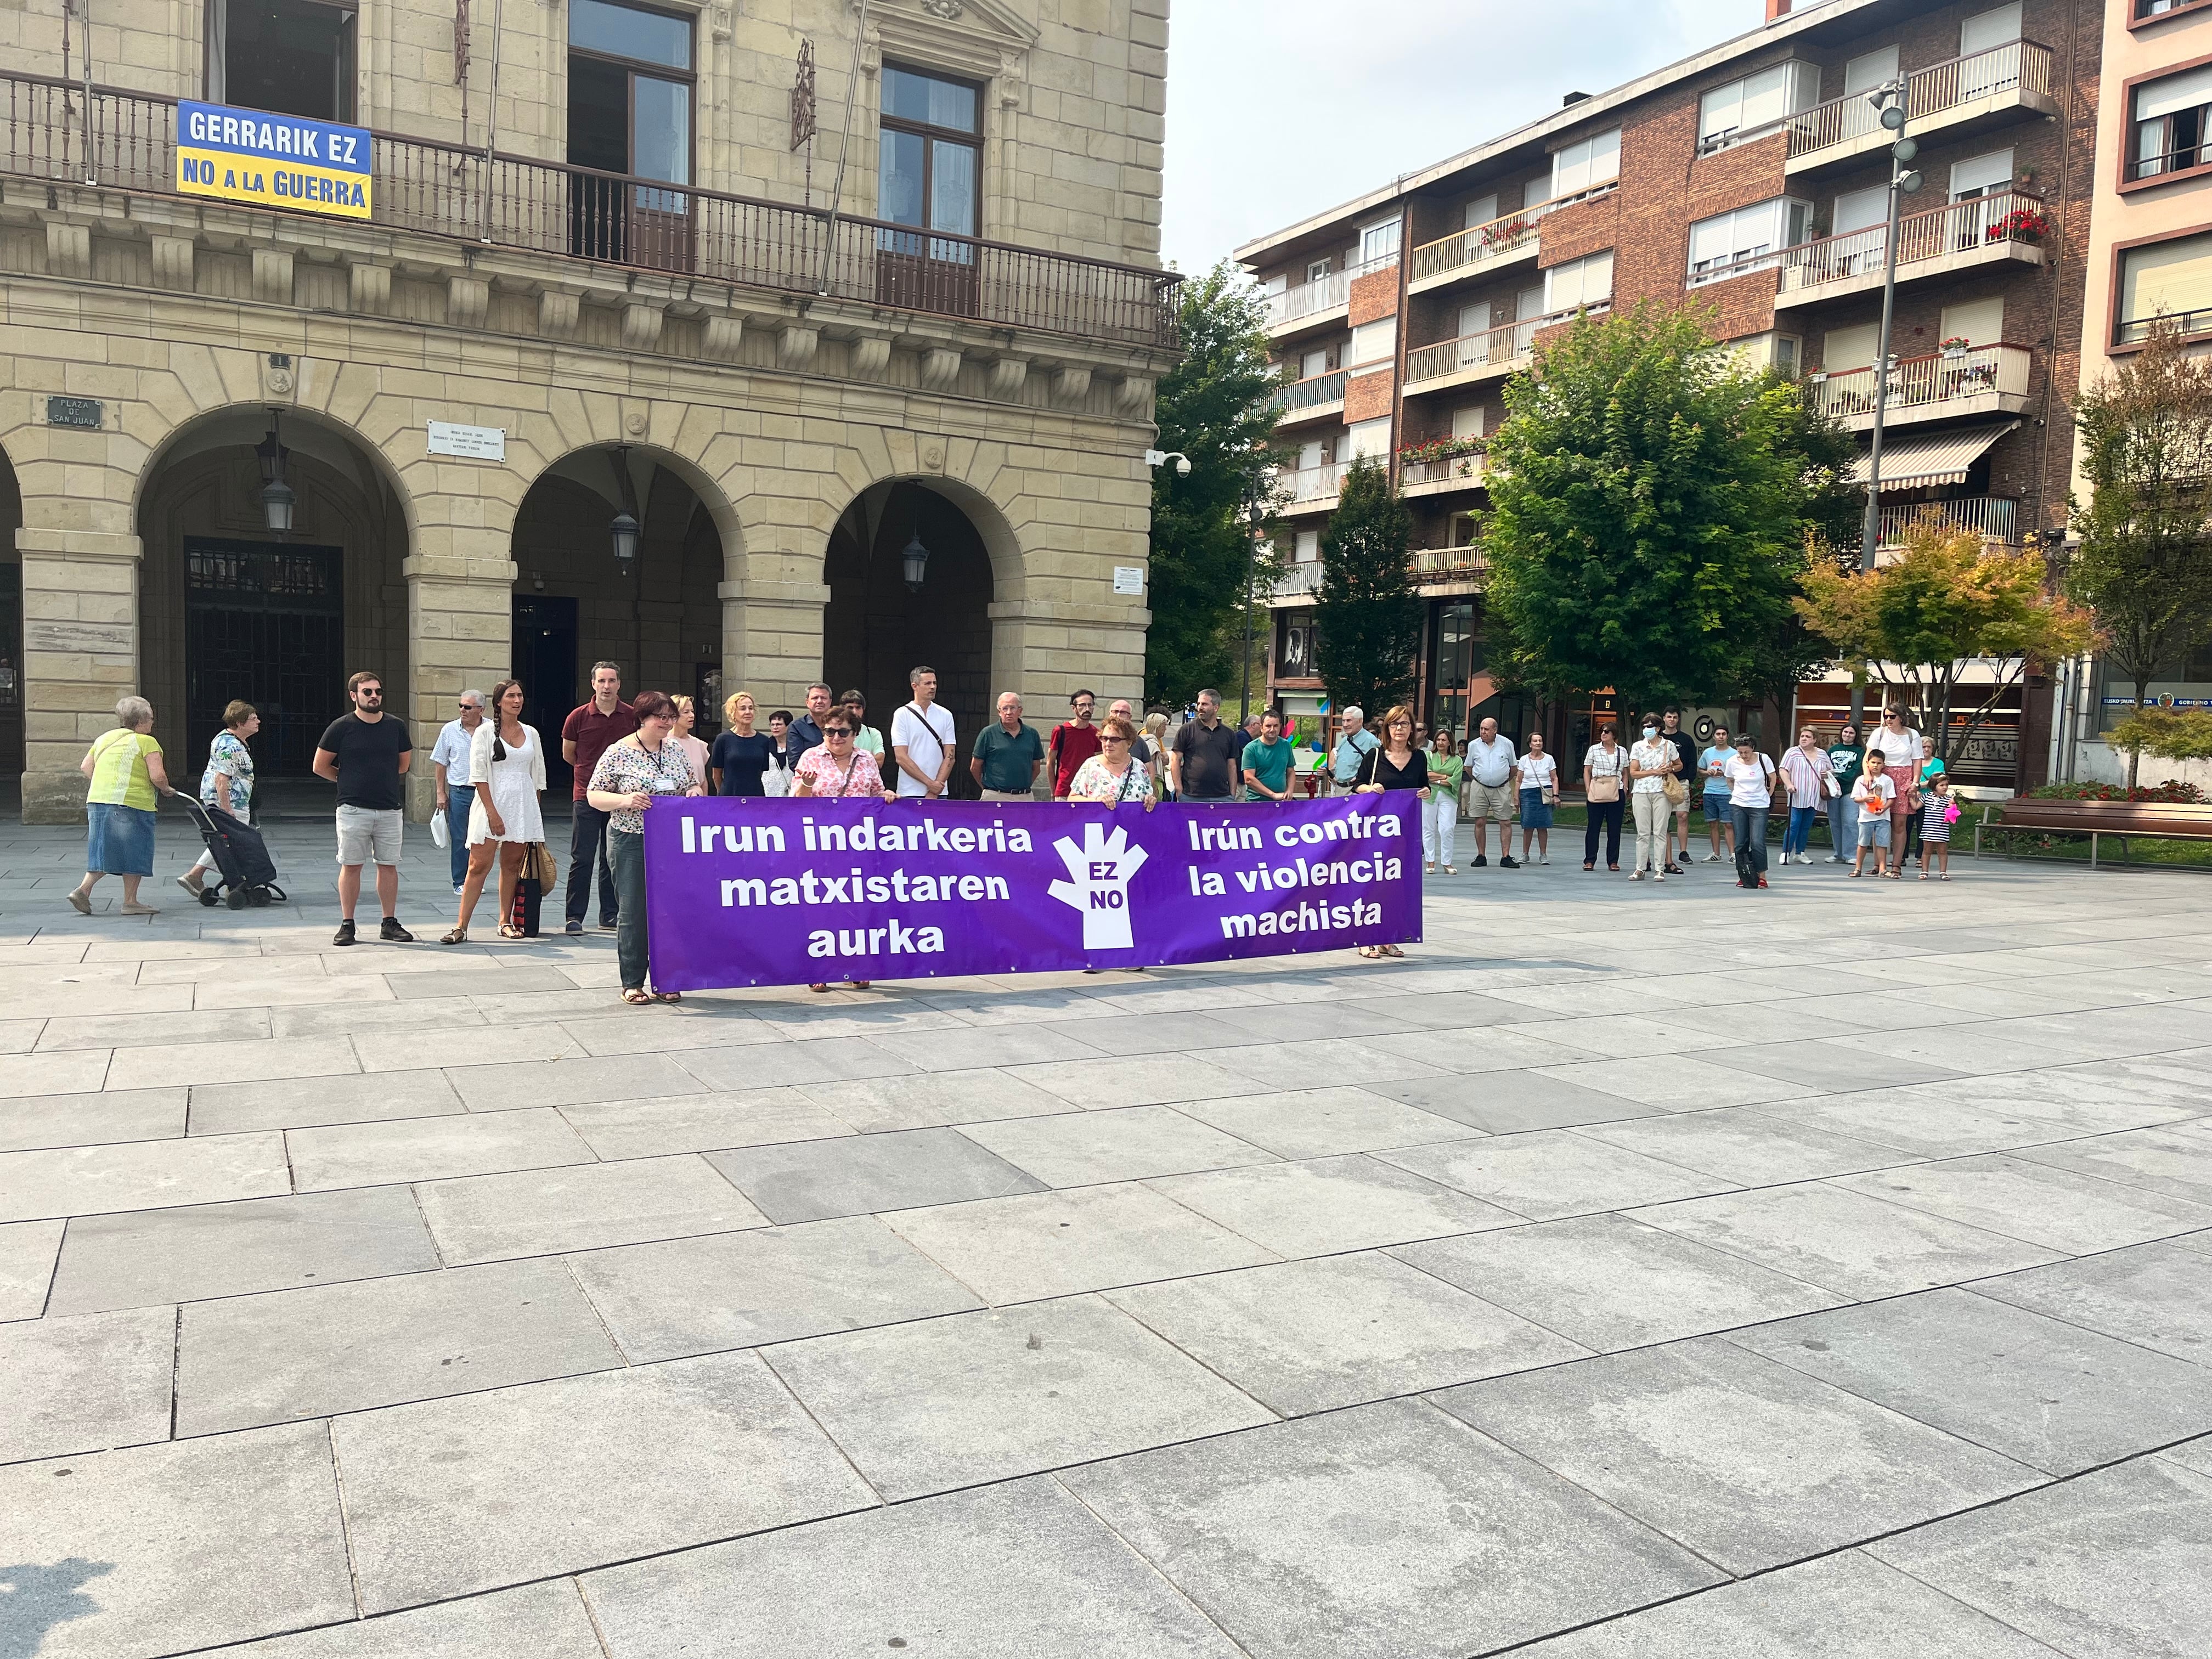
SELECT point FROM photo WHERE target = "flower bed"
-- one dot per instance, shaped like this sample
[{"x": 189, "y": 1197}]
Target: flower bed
[
  {"x": 2171, "y": 793},
  {"x": 1439, "y": 449}
]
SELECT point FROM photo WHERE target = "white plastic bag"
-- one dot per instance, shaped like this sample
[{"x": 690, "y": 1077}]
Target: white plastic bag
[
  {"x": 442, "y": 834},
  {"x": 776, "y": 779}
]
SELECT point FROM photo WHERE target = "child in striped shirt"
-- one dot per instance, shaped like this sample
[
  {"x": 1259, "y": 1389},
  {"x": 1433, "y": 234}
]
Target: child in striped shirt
[{"x": 1936, "y": 810}]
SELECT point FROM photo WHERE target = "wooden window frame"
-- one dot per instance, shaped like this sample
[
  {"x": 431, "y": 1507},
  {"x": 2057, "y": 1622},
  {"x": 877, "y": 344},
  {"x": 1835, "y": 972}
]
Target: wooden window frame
[{"x": 930, "y": 134}]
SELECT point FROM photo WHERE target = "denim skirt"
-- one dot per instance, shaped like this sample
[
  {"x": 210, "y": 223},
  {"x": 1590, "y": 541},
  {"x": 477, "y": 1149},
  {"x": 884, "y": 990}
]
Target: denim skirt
[
  {"x": 119, "y": 840},
  {"x": 1534, "y": 815}
]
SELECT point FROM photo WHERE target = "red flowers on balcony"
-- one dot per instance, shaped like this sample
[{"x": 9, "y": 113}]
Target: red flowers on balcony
[{"x": 2021, "y": 224}]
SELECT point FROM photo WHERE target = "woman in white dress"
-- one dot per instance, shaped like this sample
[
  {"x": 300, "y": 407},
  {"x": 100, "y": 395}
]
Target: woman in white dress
[{"x": 507, "y": 764}]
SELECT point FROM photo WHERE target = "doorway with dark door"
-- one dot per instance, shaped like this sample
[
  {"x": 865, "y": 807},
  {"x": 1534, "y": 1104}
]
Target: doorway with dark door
[
  {"x": 629, "y": 113},
  {"x": 264, "y": 624},
  {"x": 545, "y": 663}
]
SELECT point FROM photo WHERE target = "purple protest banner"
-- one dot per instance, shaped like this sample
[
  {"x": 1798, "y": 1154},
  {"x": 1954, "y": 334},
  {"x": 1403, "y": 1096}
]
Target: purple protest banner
[{"x": 762, "y": 891}]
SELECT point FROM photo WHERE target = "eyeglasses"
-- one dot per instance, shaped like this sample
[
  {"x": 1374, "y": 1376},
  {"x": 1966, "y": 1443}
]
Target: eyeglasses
[
  {"x": 835, "y": 731},
  {"x": 1107, "y": 741}
]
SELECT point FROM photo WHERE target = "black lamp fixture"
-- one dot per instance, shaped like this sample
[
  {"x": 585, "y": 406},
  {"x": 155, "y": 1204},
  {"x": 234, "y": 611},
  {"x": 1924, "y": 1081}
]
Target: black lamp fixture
[
  {"x": 914, "y": 559},
  {"x": 276, "y": 497},
  {"x": 623, "y": 530}
]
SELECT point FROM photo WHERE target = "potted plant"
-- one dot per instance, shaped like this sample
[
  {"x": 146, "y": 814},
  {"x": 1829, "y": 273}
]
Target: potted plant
[
  {"x": 2023, "y": 224},
  {"x": 1955, "y": 345}
]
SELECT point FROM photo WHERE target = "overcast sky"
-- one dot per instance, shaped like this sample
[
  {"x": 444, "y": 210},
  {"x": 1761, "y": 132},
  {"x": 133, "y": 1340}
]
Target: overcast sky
[{"x": 1279, "y": 108}]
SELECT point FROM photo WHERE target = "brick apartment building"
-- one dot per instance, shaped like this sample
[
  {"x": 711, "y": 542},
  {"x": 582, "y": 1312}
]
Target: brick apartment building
[
  {"x": 589, "y": 268},
  {"x": 2150, "y": 251},
  {"x": 1751, "y": 179}
]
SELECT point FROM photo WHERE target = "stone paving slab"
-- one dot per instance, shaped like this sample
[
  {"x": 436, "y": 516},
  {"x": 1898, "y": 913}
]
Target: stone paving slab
[{"x": 1215, "y": 1194}]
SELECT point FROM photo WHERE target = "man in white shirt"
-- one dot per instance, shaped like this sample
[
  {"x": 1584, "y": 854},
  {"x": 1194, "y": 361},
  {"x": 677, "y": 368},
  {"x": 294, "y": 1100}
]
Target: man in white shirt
[
  {"x": 921, "y": 740},
  {"x": 449, "y": 759},
  {"x": 1352, "y": 751},
  {"x": 1490, "y": 761}
]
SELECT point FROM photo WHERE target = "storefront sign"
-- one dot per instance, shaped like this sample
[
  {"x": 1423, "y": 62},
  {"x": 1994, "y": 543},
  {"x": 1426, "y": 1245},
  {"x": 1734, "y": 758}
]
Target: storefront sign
[
  {"x": 272, "y": 160},
  {"x": 475, "y": 443},
  {"x": 794, "y": 892}
]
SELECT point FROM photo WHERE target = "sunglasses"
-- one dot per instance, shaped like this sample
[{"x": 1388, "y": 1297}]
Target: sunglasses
[
  {"x": 1107, "y": 741},
  {"x": 835, "y": 731}
]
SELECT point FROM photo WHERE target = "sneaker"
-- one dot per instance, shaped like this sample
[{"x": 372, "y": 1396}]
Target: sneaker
[
  {"x": 608, "y": 924},
  {"x": 1713, "y": 857},
  {"x": 1506, "y": 862},
  {"x": 344, "y": 934},
  {"x": 392, "y": 933},
  {"x": 192, "y": 882},
  {"x": 1545, "y": 858},
  {"x": 1479, "y": 861},
  {"x": 459, "y": 889},
  {"x": 1660, "y": 879},
  {"x": 573, "y": 928}
]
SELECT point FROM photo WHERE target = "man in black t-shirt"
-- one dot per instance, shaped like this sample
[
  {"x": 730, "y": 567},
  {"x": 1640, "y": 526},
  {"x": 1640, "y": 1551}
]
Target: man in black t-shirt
[
  {"x": 1206, "y": 762},
  {"x": 366, "y": 753}
]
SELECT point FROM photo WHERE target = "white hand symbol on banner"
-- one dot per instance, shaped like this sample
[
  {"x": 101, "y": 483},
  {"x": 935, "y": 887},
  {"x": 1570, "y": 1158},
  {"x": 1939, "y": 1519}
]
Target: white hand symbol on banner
[{"x": 1101, "y": 869}]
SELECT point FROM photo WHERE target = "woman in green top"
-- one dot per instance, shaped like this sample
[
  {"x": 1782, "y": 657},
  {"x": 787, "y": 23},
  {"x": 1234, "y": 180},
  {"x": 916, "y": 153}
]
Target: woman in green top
[
  {"x": 1446, "y": 766},
  {"x": 1846, "y": 760},
  {"x": 126, "y": 768}
]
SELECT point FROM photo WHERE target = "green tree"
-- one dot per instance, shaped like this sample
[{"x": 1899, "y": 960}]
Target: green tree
[
  {"x": 1653, "y": 503},
  {"x": 2144, "y": 565},
  {"x": 1367, "y": 617},
  {"x": 1948, "y": 628},
  {"x": 2169, "y": 733},
  {"x": 1213, "y": 406}
]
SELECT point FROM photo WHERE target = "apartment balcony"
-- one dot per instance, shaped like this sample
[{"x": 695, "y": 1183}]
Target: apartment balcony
[
  {"x": 1310, "y": 305},
  {"x": 1443, "y": 476},
  {"x": 2009, "y": 228},
  {"x": 1950, "y": 99},
  {"x": 1978, "y": 381},
  {"x": 1297, "y": 585},
  {"x": 1993, "y": 517},
  {"x": 1507, "y": 241},
  {"x": 126, "y": 141},
  {"x": 1309, "y": 489},
  {"x": 1449, "y": 568},
  {"x": 1470, "y": 358},
  {"x": 1311, "y": 399}
]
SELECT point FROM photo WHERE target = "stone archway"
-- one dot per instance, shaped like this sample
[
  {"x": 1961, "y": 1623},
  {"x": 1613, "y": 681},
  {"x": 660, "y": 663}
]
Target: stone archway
[
  {"x": 230, "y": 608},
  {"x": 875, "y": 630}
]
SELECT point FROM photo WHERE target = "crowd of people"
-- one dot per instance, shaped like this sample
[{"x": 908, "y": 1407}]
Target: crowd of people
[{"x": 1885, "y": 795}]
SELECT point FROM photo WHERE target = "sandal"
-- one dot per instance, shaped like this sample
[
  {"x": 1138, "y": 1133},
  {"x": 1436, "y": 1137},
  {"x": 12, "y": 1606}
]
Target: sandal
[
  {"x": 668, "y": 996},
  {"x": 459, "y": 936},
  {"x": 1394, "y": 953},
  {"x": 1590, "y": 866},
  {"x": 817, "y": 988},
  {"x": 637, "y": 997},
  {"x": 507, "y": 930}
]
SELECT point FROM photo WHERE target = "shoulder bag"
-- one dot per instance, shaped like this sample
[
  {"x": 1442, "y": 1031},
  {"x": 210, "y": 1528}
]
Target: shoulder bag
[
  {"x": 1677, "y": 792},
  {"x": 1604, "y": 787}
]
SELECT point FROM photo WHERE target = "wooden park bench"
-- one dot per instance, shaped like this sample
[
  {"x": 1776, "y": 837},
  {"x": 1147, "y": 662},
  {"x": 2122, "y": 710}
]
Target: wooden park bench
[{"x": 2096, "y": 820}]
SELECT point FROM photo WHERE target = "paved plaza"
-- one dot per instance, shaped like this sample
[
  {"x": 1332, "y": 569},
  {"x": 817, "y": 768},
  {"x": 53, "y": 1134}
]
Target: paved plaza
[{"x": 1672, "y": 1272}]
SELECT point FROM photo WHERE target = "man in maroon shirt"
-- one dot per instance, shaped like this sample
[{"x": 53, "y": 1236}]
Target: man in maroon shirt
[
  {"x": 586, "y": 735},
  {"x": 1073, "y": 742}
]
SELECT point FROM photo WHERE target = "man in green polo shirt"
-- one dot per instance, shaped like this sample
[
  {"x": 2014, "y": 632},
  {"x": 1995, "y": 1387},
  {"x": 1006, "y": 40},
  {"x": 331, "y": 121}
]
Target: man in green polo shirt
[
  {"x": 1007, "y": 755},
  {"x": 1268, "y": 761}
]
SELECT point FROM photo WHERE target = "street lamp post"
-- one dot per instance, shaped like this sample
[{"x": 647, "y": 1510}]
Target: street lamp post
[{"x": 1889, "y": 99}]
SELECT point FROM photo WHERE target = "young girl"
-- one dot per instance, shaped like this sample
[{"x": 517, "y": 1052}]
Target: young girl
[
  {"x": 1872, "y": 795},
  {"x": 1936, "y": 827}
]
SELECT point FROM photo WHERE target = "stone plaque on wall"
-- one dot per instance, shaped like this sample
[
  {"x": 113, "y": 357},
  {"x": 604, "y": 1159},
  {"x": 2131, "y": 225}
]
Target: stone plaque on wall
[{"x": 97, "y": 639}]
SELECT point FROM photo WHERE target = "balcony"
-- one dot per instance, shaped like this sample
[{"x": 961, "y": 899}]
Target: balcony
[
  {"x": 1443, "y": 475},
  {"x": 1978, "y": 381},
  {"x": 1309, "y": 489},
  {"x": 1953, "y": 97},
  {"x": 1442, "y": 567},
  {"x": 1299, "y": 581},
  {"x": 1471, "y": 357},
  {"x": 1484, "y": 250},
  {"x": 1309, "y": 304},
  {"x": 1993, "y": 517},
  {"x": 127, "y": 142},
  {"x": 1311, "y": 399},
  {"x": 2009, "y": 227}
]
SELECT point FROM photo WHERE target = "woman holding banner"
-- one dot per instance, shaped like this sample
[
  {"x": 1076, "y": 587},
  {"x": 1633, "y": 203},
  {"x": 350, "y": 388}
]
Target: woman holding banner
[
  {"x": 1111, "y": 777},
  {"x": 1394, "y": 763},
  {"x": 836, "y": 770},
  {"x": 630, "y": 774}
]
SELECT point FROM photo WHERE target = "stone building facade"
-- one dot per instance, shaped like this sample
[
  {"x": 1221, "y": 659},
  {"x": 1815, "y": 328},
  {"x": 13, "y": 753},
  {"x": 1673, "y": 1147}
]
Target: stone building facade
[
  {"x": 1749, "y": 179},
  {"x": 602, "y": 262}
]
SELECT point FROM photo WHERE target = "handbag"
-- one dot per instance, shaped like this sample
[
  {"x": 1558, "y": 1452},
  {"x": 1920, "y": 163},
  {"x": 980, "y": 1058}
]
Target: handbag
[
  {"x": 1604, "y": 788},
  {"x": 1678, "y": 793},
  {"x": 541, "y": 866}
]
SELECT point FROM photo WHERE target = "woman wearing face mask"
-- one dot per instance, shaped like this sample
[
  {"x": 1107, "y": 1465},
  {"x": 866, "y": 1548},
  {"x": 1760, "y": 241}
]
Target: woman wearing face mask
[{"x": 1651, "y": 761}]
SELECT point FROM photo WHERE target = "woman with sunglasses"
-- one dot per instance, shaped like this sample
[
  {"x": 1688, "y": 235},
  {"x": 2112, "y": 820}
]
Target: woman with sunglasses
[
  {"x": 1112, "y": 777},
  {"x": 836, "y": 768},
  {"x": 630, "y": 774},
  {"x": 1394, "y": 763}
]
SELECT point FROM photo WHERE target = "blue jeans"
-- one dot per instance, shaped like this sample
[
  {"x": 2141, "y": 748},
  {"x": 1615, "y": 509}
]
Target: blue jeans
[
  {"x": 1751, "y": 832},
  {"x": 1843, "y": 827},
  {"x": 626, "y": 854},
  {"x": 1799, "y": 835},
  {"x": 460, "y": 797}
]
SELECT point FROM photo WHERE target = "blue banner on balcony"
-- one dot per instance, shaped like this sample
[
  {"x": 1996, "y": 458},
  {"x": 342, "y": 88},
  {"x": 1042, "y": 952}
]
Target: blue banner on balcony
[{"x": 272, "y": 160}]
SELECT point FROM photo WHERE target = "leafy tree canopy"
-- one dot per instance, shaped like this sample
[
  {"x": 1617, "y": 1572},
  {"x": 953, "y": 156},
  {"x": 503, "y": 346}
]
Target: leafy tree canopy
[
  {"x": 1367, "y": 617},
  {"x": 1653, "y": 503},
  {"x": 1213, "y": 407}
]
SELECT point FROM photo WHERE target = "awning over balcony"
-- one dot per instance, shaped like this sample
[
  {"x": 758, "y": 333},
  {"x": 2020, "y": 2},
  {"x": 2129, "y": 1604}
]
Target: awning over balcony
[{"x": 1939, "y": 457}]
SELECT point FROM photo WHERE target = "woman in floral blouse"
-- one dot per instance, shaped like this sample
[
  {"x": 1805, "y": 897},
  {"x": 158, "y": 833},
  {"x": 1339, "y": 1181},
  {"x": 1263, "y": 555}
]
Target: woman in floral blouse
[
  {"x": 227, "y": 786},
  {"x": 629, "y": 776},
  {"x": 1110, "y": 777},
  {"x": 835, "y": 769}
]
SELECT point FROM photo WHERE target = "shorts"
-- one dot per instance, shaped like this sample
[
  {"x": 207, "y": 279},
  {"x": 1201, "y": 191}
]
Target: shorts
[
  {"x": 1874, "y": 829},
  {"x": 1491, "y": 800},
  {"x": 1716, "y": 807},
  {"x": 365, "y": 835},
  {"x": 1682, "y": 807}
]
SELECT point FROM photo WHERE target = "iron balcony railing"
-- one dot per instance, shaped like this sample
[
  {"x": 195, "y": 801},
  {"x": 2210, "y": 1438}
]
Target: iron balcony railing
[
  {"x": 1993, "y": 517},
  {"x": 1982, "y": 222},
  {"x": 127, "y": 141},
  {"x": 1503, "y": 347},
  {"x": 2134, "y": 330},
  {"x": 1311, "y": 392},
  {"x": 1309, "y": 299},
  {"x": 1916, "y": 382},
  {"x": 1508, "y": 234},
  {"x": 1298, "y": 581},
  {"x": 2015, "y": 66},
  {"x": 1306, "y": 485},
  {"x": 1464, "y": 469}
]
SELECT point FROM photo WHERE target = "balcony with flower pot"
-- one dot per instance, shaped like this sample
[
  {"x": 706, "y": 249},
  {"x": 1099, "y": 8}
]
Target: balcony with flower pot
[
  {"x": 1958, "y": 379},
  {"x": 2003, "y": 228},
  {"x": 1442, "y": 466}
]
